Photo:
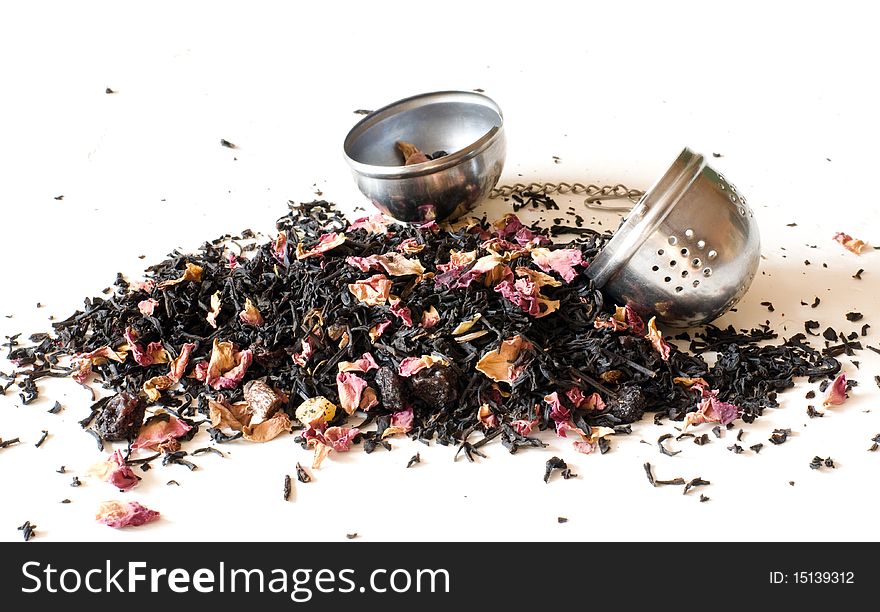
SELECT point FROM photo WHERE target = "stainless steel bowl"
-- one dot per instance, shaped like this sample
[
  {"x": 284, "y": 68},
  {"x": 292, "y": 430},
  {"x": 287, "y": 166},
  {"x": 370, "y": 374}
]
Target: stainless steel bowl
[
  {"x": 467, "y": 125},
  {"x": 687, "y": 252}
]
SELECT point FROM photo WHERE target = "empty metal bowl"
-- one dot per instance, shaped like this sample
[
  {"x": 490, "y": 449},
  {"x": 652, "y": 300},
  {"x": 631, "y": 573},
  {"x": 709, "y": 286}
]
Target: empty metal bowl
[
  {"x": 687, "y": 252},
  {"x": 467, "y": 125}
]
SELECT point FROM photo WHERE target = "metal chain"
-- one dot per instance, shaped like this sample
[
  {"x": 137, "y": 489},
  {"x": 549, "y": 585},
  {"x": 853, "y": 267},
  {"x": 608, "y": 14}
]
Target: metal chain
[{"x": 592, "y": 192}]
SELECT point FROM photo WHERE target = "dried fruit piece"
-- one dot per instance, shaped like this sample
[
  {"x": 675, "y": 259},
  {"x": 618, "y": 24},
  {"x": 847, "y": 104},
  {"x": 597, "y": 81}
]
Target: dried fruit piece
[
  {"x": 121, "y": 417},
  {"x": 437, "y": 386},
  {"x": 391, "y": 391}
]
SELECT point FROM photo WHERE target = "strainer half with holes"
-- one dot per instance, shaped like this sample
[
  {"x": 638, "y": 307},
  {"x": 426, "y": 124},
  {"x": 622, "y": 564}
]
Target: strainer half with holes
[{"x": 688, "y": 250}]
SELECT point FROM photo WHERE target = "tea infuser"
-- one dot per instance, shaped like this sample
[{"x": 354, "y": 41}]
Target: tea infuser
[{"x": 686, "y": 253}]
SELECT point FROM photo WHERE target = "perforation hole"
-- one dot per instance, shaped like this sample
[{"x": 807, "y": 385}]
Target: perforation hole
[
  {"x": 742, "y": 211},
  {"x": 660, "y": 252},
  {"x": 696, "y": 262},
  {"x": 684, "y": 252},
  {"x": 684, "y": 273},
  {"x": 679, "y": 289},
  {"x": 689, "y": 233},
  {"x": 707, "y": 272},
  {"x": 701, "y": 244},
  {"x": 712, "y": 254},
  {"x": 696, "y": 284},
  {"x": 655, "y": 268},
  {"x": 667, "y": 279},
  {"x": 673, "y": 240},
  {"x": 672, "y": 263}
]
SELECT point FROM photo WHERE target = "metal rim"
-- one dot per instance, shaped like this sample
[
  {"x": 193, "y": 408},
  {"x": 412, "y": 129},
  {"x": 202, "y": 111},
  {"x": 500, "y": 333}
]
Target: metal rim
[
  {"x": 646, "y": 216},
  {"x": 428, "y": 167}
]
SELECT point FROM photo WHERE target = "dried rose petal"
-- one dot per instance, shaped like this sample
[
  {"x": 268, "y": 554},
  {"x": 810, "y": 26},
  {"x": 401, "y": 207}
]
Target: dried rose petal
[
  {"x": 410, "y": 246},
  {"x": 227, "y": 365},
  {"x": 851, "y": 244},
  {"x": 124, "y": 514},
  {"x": 340, "y": 438},
  {"x": 401, "y": 423},
  {"x": 590, "y": 443},
  {"x": 711, "y": 409},
  {"x": 371, "y": 291},
  {"x": 214, "y": 312},
  {"x": 350, "y": 387},
  {"x": 326, "y": 243},
  {"x": 146, "y": 286},
  {"x": 279, "y": 248},
  {"x": 160, "y": 432},
  {"x": 563, "y": 427},
  {"x": 561, "y": 261},
  {"x": 192, "y": 273},
  {"x": 176, "y": 370},
  {"x": 269, "y": 429},
  {"x": 449, "y": 273},
  {"x": 232, "y": 261},
  {"x": 411, "y": 365},
  {"x": 147, "y": 306},
  {"x": 154, "y": 353},
  {"x": 115, "y": 471},
  {"x": 487, "y": 417},
  {"x": 558, "y": 412},
  {"x": 400, "y": 311},
  {"x": 501, "y": 364},
  {"x": 100, "y": 356},
  {"x": 836, "y": 393},
  {"x": 527, "y": 295},
  {"x": 375, "y": 224},
  {"x": 510, "y": 227},
  {"x": 656, "y": 337},
  {"x": 430, "y": 317},
  {"x": 523, "y": 427},
  {"x": 302, "y": 358},
  {"x": 251, "y": 314},
  {"x": 395, "y": 264},
  {"x": 378, "y": 329},
  {"x": 364, "y": 364},
  {"x": 690, "y": 382},
  {"x": 465, "y": 326}
]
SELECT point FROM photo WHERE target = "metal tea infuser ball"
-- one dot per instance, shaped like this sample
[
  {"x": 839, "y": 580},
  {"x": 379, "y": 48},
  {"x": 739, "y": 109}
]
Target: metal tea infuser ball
[{"x": 686, "y": 253}]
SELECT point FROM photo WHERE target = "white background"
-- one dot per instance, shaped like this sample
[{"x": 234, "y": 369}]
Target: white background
[{"x": 785, "y": 92}]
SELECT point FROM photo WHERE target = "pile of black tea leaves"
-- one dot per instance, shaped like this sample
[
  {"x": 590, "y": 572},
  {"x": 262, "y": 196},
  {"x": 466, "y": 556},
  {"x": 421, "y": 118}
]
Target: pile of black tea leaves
[{"x": 348, "y": 334}]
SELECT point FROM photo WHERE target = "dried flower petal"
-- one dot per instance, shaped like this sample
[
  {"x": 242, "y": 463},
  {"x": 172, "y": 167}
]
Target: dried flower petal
[
  {"x": 227, "y": 365},
  {"x": 590, "y": 443},
  {"x": 350, "y": 387},
  {"x": 430, "y": 317},
  {"x": 326, "y": 243},
  {"x": 502, "y": 364},
  {"x": 100, "y": 356},
  {"x": 146, "y": 286},
  {"x": 711, "y": 409},
  {"x": 154, "y": 353},
  {"x": 371, "y": 291},
  {"x": 657, "y": 341},
  {"x": 411, "y": 365},
  {"x": 124, "y": 514},
  {"x": 558, "y": 412},
  {"x": 214, "y": 312},
  {"x": 160, "y": 432},
  {"x": 302, "y": 358},
  {"x": 851, "y": 244},
  {"x": 523, "y": 427},
  {"x": 395, "y": 264},
  {"x": 527, "y": 295},
  {"x": 410, "y": 246},
  {"x": 538, "y": 278},
  {"x": 375, "y": 224},
  {"x": 321, "y": 452},
  {"x": 340, "y": 438},
  {"x": 364, "y": 364},
  {"x": 401, "y": 423},
  {"x": 690, "y": 382},
  {"x": 147, "y": 306},
  {"x": 251, "y": 314},
  {"x": 378, "y": 329},
  {"x": 511, "y": 228},
  {"x": 836, "y": 393},
  {"x": 561, "y": 261},
  {"x": 486, "y": 417},
  {"x": 279, "y": 248},
  {"x": 466, "y": 325},
  {"x": 269, "y": 429},
  {"x": 192, "y": 273},
  {"x": 400, "y": 311},
  {"x": 115, "y": 471}
]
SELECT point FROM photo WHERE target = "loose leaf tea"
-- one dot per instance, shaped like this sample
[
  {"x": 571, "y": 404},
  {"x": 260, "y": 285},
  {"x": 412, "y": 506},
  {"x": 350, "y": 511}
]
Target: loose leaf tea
[{"x": 352, "y": 334}]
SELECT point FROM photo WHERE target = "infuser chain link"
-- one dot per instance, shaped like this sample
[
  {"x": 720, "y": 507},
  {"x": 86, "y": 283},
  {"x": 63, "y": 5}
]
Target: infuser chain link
[{"x": 592, "y": 192}]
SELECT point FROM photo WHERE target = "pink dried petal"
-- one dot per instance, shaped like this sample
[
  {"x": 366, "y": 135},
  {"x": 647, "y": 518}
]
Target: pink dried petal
[
  {"x": 302, "y": 358},
  {"x": 177, "y": 367},
  {"x": 558, "y": 412},
  {"x": 430, "y": 317},
  {"x": 200, "y": 371},
  {"x": 836, "y": 393},
  {"x": 364, "y": 364},
  {"x": 656, "y": 338},
  {"x": 851, "y": 244},
  {"x": 498, "y": 364},
  {"x": 214, "y": 312},
  {"x": 486, "y": 417},
  {"x": 375, "y": 224},
  {"x": 326, "y": 242},
  {"x": 522, "y": 426},
  {"x": 83, "y": 371},
  {"x": 394, "y": 264},
  {"x": 154, "y": 353},
  {"x": 350, "y": 387},
  {"x": 584, "y": 446},
  {"x": 232, "y": 261},
  {"x": 118, "y": 514},
  {"x": 364, "y": 264},
  {"x": 527, "y": 295},
  {"x": 562, "y": 427},
  {"x": 340, "y": 438},
  {"x": 251, "y": 314},
  {"x": 401, "y": 312},
  {"x": 378, "y": 329},
  {"x": 403, "y": 419},
  {"x": 279, "y": 248},
  {"x": 634, "y": 321},
  {"x": 371, "y": 291},
  {"x": 159, "y": 432},
  {"x": 147, "y": 306},
  {"x": 410, "y": 246},
  {"x": 231, "y": 378},
  {"x": 411, "y": 365},
  {"x": 146, "y": 286},
  {"x": 122, "y": 477},
  {"x": 561, "y": 261}
]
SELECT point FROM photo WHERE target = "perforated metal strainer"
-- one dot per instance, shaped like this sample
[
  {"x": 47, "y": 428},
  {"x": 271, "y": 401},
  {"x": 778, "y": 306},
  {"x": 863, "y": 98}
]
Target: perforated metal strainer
[{"x": 688, "y": 250}]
